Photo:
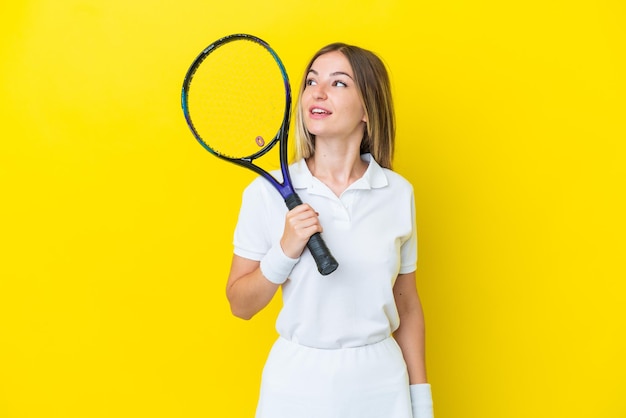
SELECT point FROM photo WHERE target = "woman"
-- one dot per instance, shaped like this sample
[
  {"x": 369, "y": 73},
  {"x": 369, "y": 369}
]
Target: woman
[{"x": 351, "y": 343}]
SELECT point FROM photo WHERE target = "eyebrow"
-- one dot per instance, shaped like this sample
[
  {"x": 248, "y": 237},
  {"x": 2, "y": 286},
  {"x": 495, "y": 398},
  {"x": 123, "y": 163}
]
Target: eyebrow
[{"x": 334, "y": 74}]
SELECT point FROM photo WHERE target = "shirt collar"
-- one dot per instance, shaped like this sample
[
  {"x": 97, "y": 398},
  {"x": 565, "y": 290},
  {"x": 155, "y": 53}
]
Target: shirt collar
[{"x": 374, "y": 176}]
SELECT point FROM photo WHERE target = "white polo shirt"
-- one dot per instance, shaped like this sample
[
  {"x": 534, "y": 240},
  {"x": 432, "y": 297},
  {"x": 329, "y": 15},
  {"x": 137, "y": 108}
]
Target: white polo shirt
[{"x": 369, "y": 229}]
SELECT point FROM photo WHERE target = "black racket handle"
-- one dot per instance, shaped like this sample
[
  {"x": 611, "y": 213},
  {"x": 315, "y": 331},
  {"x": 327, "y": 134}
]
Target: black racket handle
[{"x": 326, "y": 263}]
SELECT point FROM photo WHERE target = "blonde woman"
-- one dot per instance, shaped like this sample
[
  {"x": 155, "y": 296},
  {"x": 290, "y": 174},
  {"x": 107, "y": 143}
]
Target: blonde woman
[{"x": 351, "y": 344}]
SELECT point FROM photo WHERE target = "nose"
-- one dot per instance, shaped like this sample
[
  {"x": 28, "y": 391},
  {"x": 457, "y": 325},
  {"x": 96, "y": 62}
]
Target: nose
[{"x": 319, "y": 93}]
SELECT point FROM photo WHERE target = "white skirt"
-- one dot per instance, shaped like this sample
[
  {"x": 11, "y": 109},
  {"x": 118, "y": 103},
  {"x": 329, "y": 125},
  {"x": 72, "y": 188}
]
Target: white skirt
[{"x": 362, "y": 382}]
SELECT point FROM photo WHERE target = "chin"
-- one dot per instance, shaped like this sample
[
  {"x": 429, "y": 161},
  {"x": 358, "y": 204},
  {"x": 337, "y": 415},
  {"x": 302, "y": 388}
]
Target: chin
[{"x": 313, "y": 130}]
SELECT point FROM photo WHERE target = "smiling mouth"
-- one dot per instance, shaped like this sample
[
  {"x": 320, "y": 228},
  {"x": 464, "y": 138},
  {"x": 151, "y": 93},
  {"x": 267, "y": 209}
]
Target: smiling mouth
[{"x": 318, "y": 111}]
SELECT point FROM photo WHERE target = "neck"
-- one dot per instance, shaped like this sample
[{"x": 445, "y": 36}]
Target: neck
[{"x": 336, "y": 166}]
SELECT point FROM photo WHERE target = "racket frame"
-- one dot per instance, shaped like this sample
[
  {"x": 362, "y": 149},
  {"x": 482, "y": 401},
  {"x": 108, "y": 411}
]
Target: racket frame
[{"x": 326, "y": 264}]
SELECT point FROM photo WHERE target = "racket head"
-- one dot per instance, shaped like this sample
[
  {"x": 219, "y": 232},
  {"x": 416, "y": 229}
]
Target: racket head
[{"x": 236, "y": 98}]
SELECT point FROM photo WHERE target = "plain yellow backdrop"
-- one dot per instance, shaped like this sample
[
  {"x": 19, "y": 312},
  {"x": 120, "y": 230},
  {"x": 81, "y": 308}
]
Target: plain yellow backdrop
[{"x": 116, "y": 226}]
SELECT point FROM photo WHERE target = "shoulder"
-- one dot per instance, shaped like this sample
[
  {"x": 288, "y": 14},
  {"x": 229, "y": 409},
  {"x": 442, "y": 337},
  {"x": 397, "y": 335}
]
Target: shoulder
[
  {"x": 259, "y": 193},
  {"x": 380, "y": 177},
  {"x": 397, "y": 180},
  {"x": 257, "y": 186},
  {"x": 397, "y": 183}
]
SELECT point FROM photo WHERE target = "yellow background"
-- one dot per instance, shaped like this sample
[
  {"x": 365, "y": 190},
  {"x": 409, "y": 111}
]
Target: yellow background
[{"x": 116, "y": 226}]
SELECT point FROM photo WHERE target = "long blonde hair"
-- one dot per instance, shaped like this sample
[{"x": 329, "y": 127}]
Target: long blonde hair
[{"x": 374, "y": 87}]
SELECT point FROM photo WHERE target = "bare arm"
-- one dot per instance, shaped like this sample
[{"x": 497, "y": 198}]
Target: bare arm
[
  {"x": 410, "y": 333},
  {"x": 247, "y": 289}
]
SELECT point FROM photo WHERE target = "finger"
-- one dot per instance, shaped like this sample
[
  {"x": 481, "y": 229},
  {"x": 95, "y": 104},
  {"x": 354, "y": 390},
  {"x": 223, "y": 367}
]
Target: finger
[
  {"x": 301, "y": 209},
  {"x": 302, "y": 215}
]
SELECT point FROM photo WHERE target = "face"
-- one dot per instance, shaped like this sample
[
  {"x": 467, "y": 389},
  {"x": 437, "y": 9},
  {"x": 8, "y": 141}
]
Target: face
[{"x": 330, "y": 102}]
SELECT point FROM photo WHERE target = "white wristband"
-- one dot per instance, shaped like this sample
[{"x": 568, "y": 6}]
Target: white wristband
[
  {"x": 276, "y": 266},
  {"x": 421, "y": 400}
]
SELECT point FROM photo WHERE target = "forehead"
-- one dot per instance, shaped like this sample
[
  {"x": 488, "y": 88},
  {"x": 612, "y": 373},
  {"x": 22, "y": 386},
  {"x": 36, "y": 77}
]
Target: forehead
[{"x": 332, "y": 62}]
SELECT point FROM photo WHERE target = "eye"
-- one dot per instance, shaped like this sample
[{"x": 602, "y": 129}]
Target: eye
[
  {"x": 310, "y": 82},
  {"x": 339, "y": 83}
]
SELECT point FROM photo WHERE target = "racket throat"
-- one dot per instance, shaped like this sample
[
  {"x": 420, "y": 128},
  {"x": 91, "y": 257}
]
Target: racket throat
[{"x": 292, "y": 200}]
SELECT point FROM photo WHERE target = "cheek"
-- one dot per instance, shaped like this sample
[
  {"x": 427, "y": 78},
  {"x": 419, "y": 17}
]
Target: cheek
[
  {"x": 357, "y": 112},
  {"x": 357, "y": 109}
]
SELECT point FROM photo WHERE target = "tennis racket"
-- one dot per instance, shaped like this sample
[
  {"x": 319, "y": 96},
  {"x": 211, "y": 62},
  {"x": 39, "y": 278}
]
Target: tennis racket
[{"x": 237, "y": 101}]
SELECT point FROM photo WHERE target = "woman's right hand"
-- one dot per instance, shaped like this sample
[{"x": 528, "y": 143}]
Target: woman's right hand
[{"x": 300, "y": 223}]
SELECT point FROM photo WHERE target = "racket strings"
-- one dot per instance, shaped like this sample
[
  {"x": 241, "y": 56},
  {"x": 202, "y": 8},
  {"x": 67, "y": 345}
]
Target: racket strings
[{"x": 236, "y": 99}]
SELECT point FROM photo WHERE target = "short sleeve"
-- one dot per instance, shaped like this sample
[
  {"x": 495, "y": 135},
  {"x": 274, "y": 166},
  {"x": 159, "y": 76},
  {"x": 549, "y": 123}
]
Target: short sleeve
[{"x": 261, "y": 221}]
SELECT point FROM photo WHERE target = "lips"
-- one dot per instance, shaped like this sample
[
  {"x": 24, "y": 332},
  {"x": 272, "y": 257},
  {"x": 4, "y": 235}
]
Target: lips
[{"x": 318, "y": 112}]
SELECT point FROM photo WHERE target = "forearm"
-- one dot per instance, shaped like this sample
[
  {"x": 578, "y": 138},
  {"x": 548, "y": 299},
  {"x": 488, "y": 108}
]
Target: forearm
[
  {"x": 248, "y": 290},
  {"x": 410, "y": 334},
  {"x": 250, "y": 294},
  {"x": 410, "y": 337}
]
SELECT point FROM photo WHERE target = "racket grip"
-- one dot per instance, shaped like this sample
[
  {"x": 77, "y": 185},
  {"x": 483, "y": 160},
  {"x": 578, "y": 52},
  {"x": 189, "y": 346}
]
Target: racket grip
[{"x": 326, "y": 263}]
